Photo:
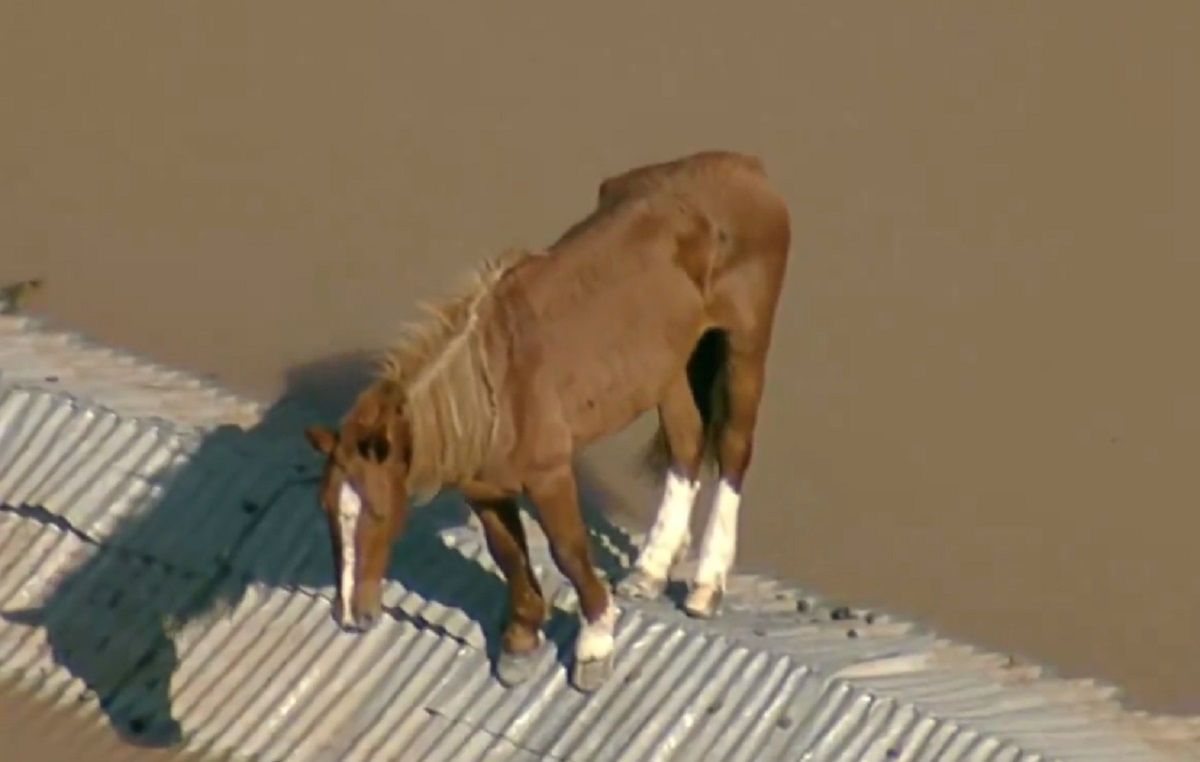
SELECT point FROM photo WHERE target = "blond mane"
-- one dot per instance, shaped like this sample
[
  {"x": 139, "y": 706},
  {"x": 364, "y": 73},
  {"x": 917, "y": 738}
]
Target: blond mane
[{"x": 450, "y": 400}]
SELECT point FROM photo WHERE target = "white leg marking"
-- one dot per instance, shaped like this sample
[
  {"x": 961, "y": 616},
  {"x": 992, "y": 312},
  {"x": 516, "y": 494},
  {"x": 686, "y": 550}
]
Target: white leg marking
[
  {"x": 349, "y": 510},
  {"x": 720, "y": 538},
  {"x": 670, "y": 529},
  {"x": 597, "y": 639}
]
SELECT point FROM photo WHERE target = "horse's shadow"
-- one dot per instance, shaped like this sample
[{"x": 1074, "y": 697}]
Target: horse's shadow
[{"x": 111, "y": 619}]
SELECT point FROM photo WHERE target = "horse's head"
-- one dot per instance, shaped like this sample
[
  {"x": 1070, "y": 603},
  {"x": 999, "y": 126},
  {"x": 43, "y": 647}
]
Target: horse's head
[{"x": 364, "y": 497}]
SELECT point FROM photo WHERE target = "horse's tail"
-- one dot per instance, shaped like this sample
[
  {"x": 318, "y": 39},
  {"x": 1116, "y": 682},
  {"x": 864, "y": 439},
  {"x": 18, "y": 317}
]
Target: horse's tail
[{"x": 707, "y": 376}]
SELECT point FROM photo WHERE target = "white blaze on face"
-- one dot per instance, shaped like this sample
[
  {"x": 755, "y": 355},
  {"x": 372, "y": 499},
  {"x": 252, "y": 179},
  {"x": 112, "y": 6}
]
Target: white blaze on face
[
  {"x": 670, "y": 529},
  {"x": 720, "y": 538},
  {"x": 350, "y": 507}
]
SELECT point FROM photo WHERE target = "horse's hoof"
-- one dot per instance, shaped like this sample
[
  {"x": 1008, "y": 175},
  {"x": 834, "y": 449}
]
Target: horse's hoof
[
  {"x": 639, "y": 585},
  {"x": 704, "y": 601},
  {"x": 588, "y": 676},
  {"x": 513, "y": 669}
]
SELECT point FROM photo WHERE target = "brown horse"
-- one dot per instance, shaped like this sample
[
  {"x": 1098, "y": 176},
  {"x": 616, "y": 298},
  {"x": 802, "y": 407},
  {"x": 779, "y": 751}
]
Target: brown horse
[{"x": 663, "y": 297}]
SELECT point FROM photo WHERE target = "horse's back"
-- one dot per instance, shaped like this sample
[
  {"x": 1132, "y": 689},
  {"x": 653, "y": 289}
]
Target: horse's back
[
  {"x": 665, "y": 234},
  {"x": 729, "y": 196},
  {"x": 693, "y": 169},
  {"x": 732, "y": 189},
  {"x": 615, "y": 309}
]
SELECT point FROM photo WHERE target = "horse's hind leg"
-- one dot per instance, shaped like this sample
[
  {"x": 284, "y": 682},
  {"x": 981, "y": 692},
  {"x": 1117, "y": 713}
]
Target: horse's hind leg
[
  {"x": 746, "y": 370},
  {"x": 554, "y": 493},
  {"x": 520, "y": 644},
  {"x": 669, "y": 536}
]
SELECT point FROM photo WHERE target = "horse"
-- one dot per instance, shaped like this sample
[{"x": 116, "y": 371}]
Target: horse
[{"x": 663, "y": 297}]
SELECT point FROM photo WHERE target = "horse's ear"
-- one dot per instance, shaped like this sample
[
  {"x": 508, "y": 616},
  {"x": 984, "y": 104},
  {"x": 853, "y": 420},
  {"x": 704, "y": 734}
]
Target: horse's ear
[{"x": 322, "y": 439}]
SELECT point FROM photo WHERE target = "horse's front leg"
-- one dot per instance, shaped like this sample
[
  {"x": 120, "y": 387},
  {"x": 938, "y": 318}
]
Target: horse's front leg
[
  {"x": 520, "y": 645},
  {"x": 554, "y": 493}
]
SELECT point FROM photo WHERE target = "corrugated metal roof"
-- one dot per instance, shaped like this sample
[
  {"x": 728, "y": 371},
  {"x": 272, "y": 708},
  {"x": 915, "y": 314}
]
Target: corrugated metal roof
[{"x": 163, "y": 567}]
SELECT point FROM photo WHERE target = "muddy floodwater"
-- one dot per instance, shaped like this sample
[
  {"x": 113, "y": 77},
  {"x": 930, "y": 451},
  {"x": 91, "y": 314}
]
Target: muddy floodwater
[{"x": 983, "y": 401}]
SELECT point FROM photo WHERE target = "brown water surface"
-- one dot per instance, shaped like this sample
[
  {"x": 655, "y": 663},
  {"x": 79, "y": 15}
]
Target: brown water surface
[{"x": 982, "y": 407}]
